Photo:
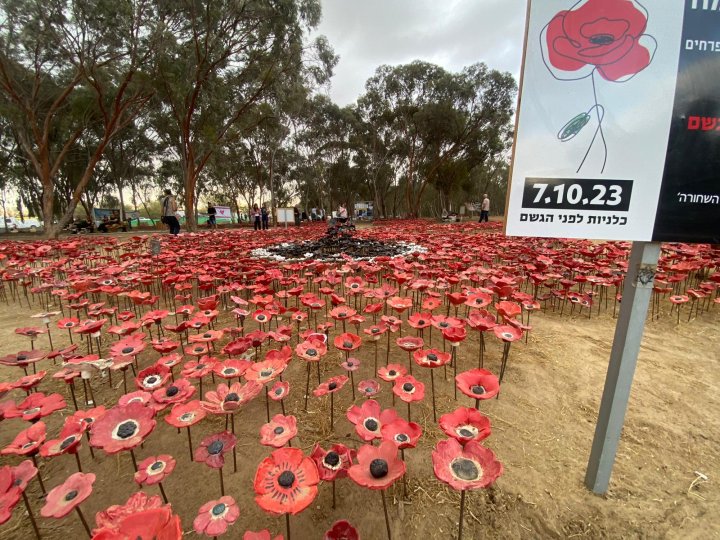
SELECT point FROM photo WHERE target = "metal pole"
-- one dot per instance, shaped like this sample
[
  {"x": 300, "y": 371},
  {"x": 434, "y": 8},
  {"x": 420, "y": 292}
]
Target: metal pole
[{"x": 623, "y": 359}]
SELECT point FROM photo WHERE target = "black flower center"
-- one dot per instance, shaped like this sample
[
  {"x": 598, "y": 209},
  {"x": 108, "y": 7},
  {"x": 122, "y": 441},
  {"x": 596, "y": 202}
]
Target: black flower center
[
  {"x": 127, "y": 350},
  {"x": 199, "y": 349},
  {"x": 347, "y": 344},
  {"x": 186, "y": 417},
  {"x": 332, "y": 386},
  {"x": 279, "y": 430},
  {"x": 408, "y": 387},
  {"x": 432, "y": 357},
  {"x": 157, "y": 465},
  {"x": 465, "y": 469},
  {"x": 332, "y": 459},
  {"x": 478, "y": 390},
  {"x": 21, "y": 357},
  {"x": 369, "y": 390},
  {"x": 465, "y": 432},
  {"x": 266, "y": 373},
  {"x": 350, "y": 364},
  {"x": 200, "y": 366},
  {"x": 171, "y": 391},
  {"x": 401, "y": 437},
  {"x": 232, "y": 396},
  {"x": 421, "y": 321},
  {"x": 127, "y": 429},
  {"x": 70, "y": 495},
  {"x": 601, "y": 39},
  {"x": 206, "y": 336},
  {"x": 392, "y": 372},
  {"x": 218, "y": 509},
  {"x": 278, "y": 391},
  {"x": 67, "y": 442},
  {"x": 286, "y": 479},
  {"x": 89, "y": 420},
  {"x": 151, "y": 380},
  {"x": 375, "y": 330},
  {"x": 215, "y": 447},
  {"x": 311, "y": 352},
  {"x": 378, "y": 468},
  {"x": 229, "y": 371},
  {"x": 343, "y": 314},
  {"x": 371, "y": 424}
]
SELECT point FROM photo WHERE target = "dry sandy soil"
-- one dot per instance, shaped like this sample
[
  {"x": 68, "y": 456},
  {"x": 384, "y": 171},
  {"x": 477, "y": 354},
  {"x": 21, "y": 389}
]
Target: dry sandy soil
[{"x": 542, "y": 430}]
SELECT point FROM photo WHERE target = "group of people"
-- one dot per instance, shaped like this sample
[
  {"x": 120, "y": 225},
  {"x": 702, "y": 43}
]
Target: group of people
[{"x": 259, "y": 215}]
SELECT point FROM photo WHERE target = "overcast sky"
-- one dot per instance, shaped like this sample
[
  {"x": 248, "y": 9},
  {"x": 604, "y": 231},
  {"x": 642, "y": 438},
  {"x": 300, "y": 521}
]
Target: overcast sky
[{"x": 450, "y": 33}]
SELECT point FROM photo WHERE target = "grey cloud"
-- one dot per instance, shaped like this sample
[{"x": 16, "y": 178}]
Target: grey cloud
[{"x": 451, "y": 33}]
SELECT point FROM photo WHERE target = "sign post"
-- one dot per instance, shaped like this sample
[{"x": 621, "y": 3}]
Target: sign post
[{"x": 617, "y": 137}]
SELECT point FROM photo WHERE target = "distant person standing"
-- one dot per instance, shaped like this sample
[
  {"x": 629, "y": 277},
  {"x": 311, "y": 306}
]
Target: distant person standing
[
  {"x": 313, "y": 214},
  {"x": 256, "y": 218},
  {"x": 212, "y": 213},
  {"x": 265, "y": 218},
  {"x": 342, "y": 213},
  {"x": 485, "y": 209},
  {"x": 169, "y": 210}
]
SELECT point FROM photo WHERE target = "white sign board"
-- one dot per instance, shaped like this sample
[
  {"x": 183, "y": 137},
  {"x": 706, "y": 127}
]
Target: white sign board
[
  {"x": 596, "y": 103},
  {"x": 285, "y": 215},
  {"x": 223, "y": 212}
]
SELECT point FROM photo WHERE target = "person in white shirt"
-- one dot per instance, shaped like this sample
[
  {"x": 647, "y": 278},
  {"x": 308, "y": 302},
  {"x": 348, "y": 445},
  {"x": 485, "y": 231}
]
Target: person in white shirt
[
  {"x": 169, "y": 209},
  {"x": 485, "y": 209},
  {"x": 342, "y": 213}
]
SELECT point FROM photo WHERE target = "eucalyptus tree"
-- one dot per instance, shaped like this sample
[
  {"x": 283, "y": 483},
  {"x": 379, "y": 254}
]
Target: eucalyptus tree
[
  {"x": 225, "y": 57},
  {"x": 429, "y": 116},
  {"x": 68, "y": 67}
]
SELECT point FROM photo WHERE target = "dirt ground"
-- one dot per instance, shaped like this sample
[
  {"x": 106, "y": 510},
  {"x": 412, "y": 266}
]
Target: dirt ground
[{"x": 543, "y": 425}]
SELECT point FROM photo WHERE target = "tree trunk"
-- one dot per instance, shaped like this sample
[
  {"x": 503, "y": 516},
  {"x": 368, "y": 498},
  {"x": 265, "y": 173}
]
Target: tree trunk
[
  {"x": 190, "y": 183},
  {"x": 48, "y": 200},
  {"x": 122, "y": 202}
]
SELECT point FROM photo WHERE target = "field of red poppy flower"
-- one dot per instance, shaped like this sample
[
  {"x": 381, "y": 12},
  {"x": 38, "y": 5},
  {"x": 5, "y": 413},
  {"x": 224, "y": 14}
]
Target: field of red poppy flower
[{"x": 253, "y": 393}]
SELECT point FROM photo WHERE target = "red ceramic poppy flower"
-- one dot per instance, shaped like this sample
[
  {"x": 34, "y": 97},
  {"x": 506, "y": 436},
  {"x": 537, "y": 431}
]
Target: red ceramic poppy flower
[
  {"x": 419, "y": 321},
  {"x": 22, "y": 474},
  {"x": 68, "y": 441},
  {"x": 376, "y": 331},
  {"x": 409, "y": 389},
  {"x": 68, "y": 323},
  {"x": 481, "y": 320},
  {"x": 197, "y": 349},
  {"x": 207, "y": 337},
  {"x": 455, "y": 335},
  {"x": 399, "y": 303},
  {"x": 129, "y": 346},
  {"x": 391, "y": 372},
  {"x": 347, "y": 342},
  {"x": 29, "y": 381},
  {"x": 311, "y": 350},
  {"x": 152, "y": 378},
  {"x": 265, "y": 371},
  {"x": 378, "y": 466},
  {"x": 369, "y": 388},
  {"x": 228, "y": 399},
  {"x": 154, "y": 469},
  {"x": 409, "y": 343},
  {"x": 122, "y": 428},
  {"x": 507, "y": 333},
  {"x": 165, "y": 345},
  {"x": 278, "y": 431},
  {"x": 333, "y": 384},
  {"x": 32, "y": 332},
  {"x": 170, "y": 360},
  {"x": 140, "y": 517},
  {"x": 470, "y": 467},
  {"x": 465, "y": 424},
  {"x": 369, "y": 419},
  {"x": 63, "y": 499},
  {"x": 237, "y": 347},
  {"x": 478, "y": 300},
  {"x": 441, "y": 322},
  {"x": 212, "y": 449},
  {"x": 342, "y": 313},
  {"x": 351, "y": 364},
  {"x": 402, "y": 433},
  {"x": 27, "y": 442},
  {"x": 36, "y": 406},
  {"x": 186, "y": 414},
  {"x": 231, "y": 369},
  {"x": 198, "y": 370},
  {"x": 139, "y": 396},
  {"x": 9, "y": 493},
  {"x": 23, "y": 358},
  {"x": 341, "y": 530},
  {"x": 88, "y": 417},
  {"x": 214, "y": 517},
  {"x": 333, "y": 463},
  {"x": 431, "y": 358},
  {"x": 478, "y": 384},
  {"x": 286, "y": 482},
  {"x": 279, "y": 390},
  {"x": 606, "y": 35},
  {"x": 178, "y": 391}
]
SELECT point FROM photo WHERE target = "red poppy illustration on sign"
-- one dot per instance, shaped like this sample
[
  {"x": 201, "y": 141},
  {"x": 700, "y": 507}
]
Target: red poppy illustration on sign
[{"x": 606, "y": 37}]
